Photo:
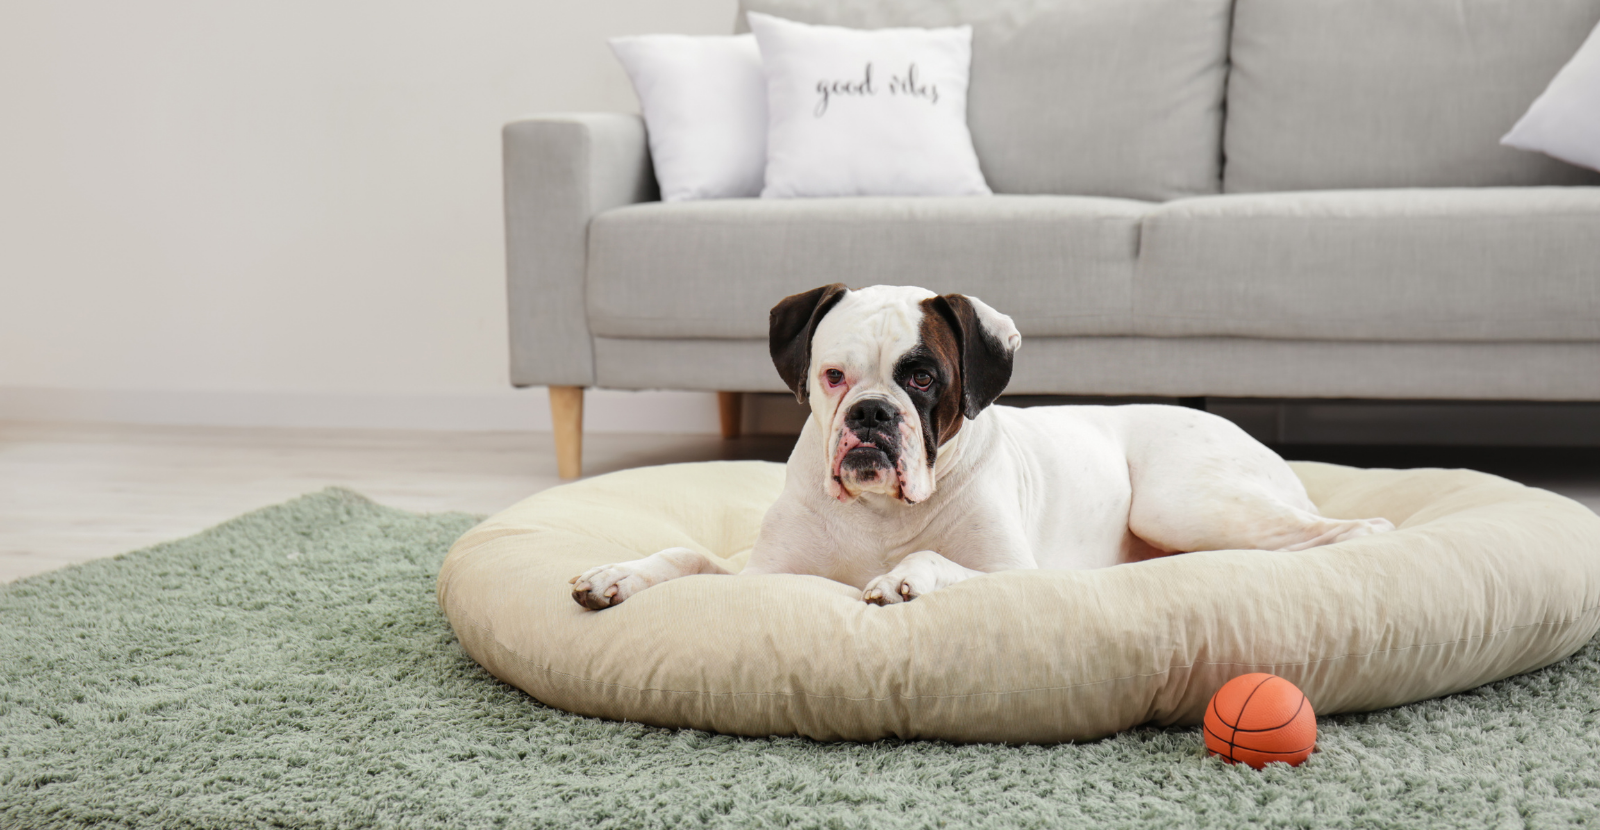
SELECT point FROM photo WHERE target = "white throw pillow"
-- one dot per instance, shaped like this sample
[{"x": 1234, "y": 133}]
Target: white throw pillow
[
  {"x": 704, "y": 101},
  {"x": 867, "y": 113},
  {"x": 1564, "y": 121}
]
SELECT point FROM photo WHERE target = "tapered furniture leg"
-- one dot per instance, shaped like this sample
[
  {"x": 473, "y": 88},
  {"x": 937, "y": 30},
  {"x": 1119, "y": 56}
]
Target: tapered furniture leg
[
  {"x": 566, "y": 414},
  {"x": 730, "y": 405}
]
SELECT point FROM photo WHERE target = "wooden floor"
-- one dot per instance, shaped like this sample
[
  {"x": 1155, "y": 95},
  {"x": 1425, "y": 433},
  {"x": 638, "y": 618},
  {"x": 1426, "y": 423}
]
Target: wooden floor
[{"x": 72, "y": 492}]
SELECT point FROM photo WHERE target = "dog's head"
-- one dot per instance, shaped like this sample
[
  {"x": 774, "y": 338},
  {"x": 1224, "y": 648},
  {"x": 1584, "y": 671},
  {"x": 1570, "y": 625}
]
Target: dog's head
[{"x": 890, "y": 372}]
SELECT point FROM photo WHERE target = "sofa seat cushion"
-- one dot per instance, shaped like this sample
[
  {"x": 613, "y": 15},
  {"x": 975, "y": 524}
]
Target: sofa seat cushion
[
  {"x": 1058, "y": 265},
  {"x": 1327, "y": 94},
  {"x": 1449, "y": 264}
]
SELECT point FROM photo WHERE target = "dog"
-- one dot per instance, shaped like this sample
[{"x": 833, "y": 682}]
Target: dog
[{"x": 907, "y": 479}]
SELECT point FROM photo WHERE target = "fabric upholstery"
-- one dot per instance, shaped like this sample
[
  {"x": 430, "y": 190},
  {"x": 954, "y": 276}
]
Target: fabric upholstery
[
  {"x": 1447, "y": 264},
  {"x": 559, "y": 171},
  {"x": 1327, "y": 94},
  {"x": 685, "y": 363},
  {"x": 1484, "y": 579},
  {"x": 1081, "y": 97},
  {"x": 1057, "y": 265},
  {"x": 1258, "y": 368},
  {"x": 1242, "y": 367}
]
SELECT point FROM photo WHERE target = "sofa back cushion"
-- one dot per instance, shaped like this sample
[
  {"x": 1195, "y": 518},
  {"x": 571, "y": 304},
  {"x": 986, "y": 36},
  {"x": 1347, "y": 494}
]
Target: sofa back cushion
[
  {"x": 1333, "y": 94},
  {"x": 1076, "y": 97}
]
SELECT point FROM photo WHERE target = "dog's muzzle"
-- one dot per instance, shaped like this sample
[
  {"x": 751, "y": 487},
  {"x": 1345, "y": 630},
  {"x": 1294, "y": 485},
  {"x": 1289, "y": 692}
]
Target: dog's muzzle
[{"x": 870, "y": 443}]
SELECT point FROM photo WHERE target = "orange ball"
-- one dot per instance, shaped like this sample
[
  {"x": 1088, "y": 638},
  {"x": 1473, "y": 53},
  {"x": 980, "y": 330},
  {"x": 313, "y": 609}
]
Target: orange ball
[{"x": 1259, "y": 718}]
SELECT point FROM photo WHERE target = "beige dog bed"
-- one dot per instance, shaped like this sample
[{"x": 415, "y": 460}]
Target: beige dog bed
[{"x": 1484, "y": 579}]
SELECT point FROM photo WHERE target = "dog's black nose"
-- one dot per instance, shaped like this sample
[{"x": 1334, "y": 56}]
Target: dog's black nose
[{"x": 870, "y": 413}]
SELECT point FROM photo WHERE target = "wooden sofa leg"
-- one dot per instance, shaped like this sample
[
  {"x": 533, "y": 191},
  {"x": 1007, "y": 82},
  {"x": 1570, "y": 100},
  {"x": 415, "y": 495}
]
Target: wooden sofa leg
[
  {"x": 730, "y": 405},
  {"x": 566, "y": 416}
]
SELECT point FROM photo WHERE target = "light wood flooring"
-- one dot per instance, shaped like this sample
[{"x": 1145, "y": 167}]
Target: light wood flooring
[{"x": 73, "y": 492}]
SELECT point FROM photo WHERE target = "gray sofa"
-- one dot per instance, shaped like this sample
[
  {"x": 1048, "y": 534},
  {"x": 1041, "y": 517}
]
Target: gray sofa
[{"x": 1242, "y": 198}]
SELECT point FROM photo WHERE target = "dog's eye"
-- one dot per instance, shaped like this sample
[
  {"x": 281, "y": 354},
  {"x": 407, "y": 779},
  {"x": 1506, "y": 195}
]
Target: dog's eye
[
  {"x": 834, "y": 376},
  {"x": 921, "y": 380}
]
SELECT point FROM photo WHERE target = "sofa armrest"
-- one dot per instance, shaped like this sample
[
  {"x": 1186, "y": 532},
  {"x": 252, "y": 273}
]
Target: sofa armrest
[{"x": 561, "y": 170}]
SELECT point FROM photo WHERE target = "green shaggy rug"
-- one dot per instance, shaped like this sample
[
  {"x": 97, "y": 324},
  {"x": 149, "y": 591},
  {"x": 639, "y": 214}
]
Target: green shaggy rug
[{"x": 290, "y": 669}]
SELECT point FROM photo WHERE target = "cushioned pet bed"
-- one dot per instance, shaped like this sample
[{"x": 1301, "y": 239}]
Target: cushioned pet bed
[{"x": 1483, "y": 579}]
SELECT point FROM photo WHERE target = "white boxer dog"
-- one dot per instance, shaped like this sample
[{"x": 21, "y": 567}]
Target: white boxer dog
[{"x": 905, "y": 480}]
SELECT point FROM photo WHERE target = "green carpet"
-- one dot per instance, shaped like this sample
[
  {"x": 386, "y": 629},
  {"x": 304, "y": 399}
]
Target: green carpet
[{"x": 291, "y": 669}]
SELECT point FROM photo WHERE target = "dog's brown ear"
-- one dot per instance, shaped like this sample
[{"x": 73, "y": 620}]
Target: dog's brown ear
[
  {"x": 789, "y": 330},
  {"x": 986, "y": 355}
]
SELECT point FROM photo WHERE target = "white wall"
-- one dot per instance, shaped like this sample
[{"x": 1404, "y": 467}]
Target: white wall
[{"x": 286, "y": 211}]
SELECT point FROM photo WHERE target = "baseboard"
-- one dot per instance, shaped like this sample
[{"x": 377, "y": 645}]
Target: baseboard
[{"x": 513, "y": 410}]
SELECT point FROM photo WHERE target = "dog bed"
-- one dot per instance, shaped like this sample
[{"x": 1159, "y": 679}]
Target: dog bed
[{"x": 1483, "y": 579}]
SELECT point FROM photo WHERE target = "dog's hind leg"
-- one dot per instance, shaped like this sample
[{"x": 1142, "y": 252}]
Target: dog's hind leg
[
  {"x": 1181, "y": 519},
  {"x": 1219, "y": 489}
]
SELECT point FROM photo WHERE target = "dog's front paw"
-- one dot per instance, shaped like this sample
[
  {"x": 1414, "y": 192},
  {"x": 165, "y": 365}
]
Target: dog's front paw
[
  {"x": 607, "y": 585},
  {"x": 916, "y": 575},
  {"x": 890, "y": 589}
]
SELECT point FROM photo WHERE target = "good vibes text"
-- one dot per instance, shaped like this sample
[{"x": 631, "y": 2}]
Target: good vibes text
[{"x": 906, "y": 84}]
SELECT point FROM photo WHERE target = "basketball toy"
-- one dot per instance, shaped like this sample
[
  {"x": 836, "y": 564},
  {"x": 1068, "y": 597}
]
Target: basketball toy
[{"x": 1259, "y": 718}]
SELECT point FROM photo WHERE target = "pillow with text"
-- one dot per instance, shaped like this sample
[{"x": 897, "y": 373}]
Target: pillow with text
[{"x": 855, "y": 112}]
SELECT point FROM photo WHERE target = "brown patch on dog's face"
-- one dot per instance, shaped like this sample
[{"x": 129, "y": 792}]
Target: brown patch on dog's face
[
  {"x": 969, "y": 365},
  {"x": 985, "y": 358},
  {"x": 937, "y": 355}
]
